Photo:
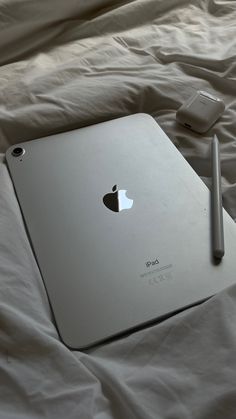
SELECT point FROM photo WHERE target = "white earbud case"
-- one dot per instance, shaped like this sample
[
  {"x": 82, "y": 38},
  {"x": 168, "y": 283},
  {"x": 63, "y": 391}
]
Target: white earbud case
[{"x": 200, "y": 112}]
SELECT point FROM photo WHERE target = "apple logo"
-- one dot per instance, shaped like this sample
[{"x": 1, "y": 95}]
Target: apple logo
[{"x": 117, "y": 200}]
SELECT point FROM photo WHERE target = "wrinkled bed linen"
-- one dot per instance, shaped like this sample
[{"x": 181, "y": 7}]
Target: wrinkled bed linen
[{"x": 69, "y": 64}]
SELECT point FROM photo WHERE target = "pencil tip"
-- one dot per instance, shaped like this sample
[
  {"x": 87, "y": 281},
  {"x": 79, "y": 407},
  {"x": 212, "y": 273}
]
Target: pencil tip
[{"x": 219, "y": 253}]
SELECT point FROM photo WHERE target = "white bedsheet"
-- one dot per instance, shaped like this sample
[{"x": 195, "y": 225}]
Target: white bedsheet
[{"x": 74, "y": 63}]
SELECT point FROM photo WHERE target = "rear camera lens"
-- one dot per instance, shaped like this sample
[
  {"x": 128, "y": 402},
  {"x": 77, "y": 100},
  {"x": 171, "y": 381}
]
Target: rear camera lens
[{"x": 18, "y": 151}]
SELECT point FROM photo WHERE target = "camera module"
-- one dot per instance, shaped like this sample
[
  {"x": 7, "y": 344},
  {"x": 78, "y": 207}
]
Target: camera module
[{"x": 18, "y": 151}]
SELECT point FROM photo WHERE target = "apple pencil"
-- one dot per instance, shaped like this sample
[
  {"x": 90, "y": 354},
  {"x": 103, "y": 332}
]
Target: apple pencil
[{"x": 216, "y": 198}]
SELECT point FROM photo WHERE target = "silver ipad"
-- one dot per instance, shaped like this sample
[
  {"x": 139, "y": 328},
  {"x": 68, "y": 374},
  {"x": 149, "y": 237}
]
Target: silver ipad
[{"x": 120, "y": 227}]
